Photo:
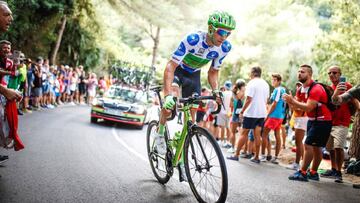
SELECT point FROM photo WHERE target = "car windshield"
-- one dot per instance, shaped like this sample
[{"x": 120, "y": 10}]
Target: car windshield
[{"x": 130, "y": 95}]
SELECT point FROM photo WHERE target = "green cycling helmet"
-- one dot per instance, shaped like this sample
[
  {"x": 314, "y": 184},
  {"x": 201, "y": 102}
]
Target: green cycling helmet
[{"x": 222, "y": 19}]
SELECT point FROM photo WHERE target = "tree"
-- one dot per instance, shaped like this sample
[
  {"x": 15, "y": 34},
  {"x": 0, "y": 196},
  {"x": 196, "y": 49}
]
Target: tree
[
  {"x": 340, "y": 45},
  {"x": 151, "y": 17}
]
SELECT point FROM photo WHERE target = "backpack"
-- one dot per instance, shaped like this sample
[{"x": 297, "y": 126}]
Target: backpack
[{"x": 329, "y": 92}]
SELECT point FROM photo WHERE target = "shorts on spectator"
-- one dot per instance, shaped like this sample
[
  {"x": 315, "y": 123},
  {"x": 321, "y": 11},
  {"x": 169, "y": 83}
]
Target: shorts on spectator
[
  {"x": 301, "y": 123},
  {"x": 251, "y": 123},
  {"x": 273, "y": 123},
  {"x": 210, "y": 118},
  {"x": 236, "y": 119},
  {"x": 45, "y": 88},
  {"x": 92, "y": 93},
  {"x": 28, "y": 91},
  {"x": 200, "y": 116},
  {"x": 223, "y": 120},
  {"x": 337, "y": 137},
  {"x": 318, "y": 133},
  {"x": 251, "y": 136},
  {"x": 37, "y": 91}
]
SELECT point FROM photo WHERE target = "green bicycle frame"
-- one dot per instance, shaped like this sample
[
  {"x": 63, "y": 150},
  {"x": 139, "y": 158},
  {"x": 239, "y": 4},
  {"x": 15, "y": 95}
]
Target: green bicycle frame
[{"x": 180, "y": 148}]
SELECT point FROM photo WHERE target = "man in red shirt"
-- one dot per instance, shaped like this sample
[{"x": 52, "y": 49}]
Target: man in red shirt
[
  {"x": 5, "y": 22},
  {"x": 318, "y": 127},
  {"x": 340, "y": 127},
  {"x": 6, "y": 65}
]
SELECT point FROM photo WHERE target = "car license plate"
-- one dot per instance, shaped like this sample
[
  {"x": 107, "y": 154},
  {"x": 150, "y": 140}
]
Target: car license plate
[{"x": 113, "y": 112}]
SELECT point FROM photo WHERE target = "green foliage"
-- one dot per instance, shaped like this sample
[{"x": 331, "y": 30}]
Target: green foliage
[
  {"x": 341, "y": 45},
  {"x": 35, "y": 28}
]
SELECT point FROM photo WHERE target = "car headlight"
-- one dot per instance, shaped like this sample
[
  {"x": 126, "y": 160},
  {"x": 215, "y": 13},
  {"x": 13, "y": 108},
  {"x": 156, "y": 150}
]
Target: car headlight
[
  {"x": 137, "y": 109},
  {"x": 97, "y": 102}
]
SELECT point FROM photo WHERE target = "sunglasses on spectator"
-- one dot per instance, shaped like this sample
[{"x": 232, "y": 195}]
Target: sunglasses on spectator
[
  {"x": 222, "y": 32},
  {"x": 332, "y": 72}
]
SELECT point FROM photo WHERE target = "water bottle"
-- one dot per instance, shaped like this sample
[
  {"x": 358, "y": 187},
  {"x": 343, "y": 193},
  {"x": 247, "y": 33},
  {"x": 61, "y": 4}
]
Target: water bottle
[{"x": 176, "y": 139}]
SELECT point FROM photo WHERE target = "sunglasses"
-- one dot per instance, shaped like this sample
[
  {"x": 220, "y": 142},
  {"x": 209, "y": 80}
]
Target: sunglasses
[
  {"x": 222, "y": 32},
  {"x": 334, "y": 73}
]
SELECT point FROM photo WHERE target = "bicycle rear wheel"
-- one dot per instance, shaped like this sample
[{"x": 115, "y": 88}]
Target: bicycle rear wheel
[
  {"x": 158, "y": 162},
  {"x": 205, "y": 167}
]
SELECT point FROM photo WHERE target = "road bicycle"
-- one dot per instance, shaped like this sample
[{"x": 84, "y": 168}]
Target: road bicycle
[{"x": 202, "y": 157}]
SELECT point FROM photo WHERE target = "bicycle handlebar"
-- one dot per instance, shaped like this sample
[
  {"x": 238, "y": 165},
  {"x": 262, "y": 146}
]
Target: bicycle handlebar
[{"x": 200, "y": 98}]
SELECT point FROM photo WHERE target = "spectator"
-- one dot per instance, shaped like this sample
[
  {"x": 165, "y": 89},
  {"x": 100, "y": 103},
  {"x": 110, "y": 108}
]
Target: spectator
[
  {"x": 274, "y": 119},
  {"x": 340, "y": 128},
  {"x": 82, "y": 85},
  {"x": 37, "y": 83},
  {"x": 223, "y": 118},
  {"x": 29, "y": 85},
  {"x": 237, "y": 105},
  {"x": 318, "y": 127},
  {"x": 201, "y": 110},
  {"x": 5, "y": 22},
  {"x": 253, "y": 112},
  {"x": 7, "y": 67},
  {"x": 92, "y": 84},
  {"x": 300, "y": 126}
]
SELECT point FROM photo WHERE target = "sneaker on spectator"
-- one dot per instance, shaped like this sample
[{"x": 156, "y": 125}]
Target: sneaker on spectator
[
  {"x": 298, "y": 176},
  {"x": 160, "y": 144},
  {"x": 3, "y": 158},
  {"x": 338, "y": 177},
  {"x": 29, "y": 108},
  {"x": 294, "y": 166},
  {"x": 242, "y": 153},
  {"x": 25, "y": 110},
  {"x": 226, "y": 145},
  {"x": 255, "y": 160},
  {"x": 233, "y": 157},
  {"x": 231, "y": 150},
  {"x": 315, "y": 176},
  {"x": 20, "y": 112},
  {"x": 268, "y": 158},
  {"x": 329, "y": 173},
  {"x": 262, "y": 158},
  {"x": 50, "y": 106},
  {"x": 274, "y": 160}
]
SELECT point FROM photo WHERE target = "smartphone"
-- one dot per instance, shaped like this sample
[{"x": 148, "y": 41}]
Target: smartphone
[{"x": 342, "y": 79}]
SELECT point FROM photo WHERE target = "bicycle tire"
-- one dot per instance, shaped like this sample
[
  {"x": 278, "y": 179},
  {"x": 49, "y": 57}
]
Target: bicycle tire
[
  {"x": 153, "y": 158},
  {"x": 197, "y": 134}
]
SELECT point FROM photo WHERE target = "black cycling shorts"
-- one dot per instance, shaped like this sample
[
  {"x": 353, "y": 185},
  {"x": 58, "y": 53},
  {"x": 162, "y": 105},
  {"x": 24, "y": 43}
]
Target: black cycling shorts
[{"x": 189, "y": 82}]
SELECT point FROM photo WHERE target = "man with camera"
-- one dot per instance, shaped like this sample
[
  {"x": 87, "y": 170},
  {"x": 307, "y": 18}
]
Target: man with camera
[{"x": 340, "y": 127}]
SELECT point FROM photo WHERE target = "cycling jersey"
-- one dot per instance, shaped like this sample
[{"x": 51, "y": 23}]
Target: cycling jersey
[{"x": 193, "y": 53}]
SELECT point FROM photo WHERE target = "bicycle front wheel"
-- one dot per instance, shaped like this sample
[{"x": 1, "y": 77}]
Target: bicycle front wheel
[
  {"x": 205, "y": 167},
  {"x": 158, "y": 162}
]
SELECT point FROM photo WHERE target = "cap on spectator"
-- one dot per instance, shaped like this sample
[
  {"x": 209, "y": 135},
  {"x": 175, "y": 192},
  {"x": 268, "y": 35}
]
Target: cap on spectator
[
  {"x": 39, "y": 59},
  {"x": 67, "y": 67},
  {"x": 227, "y": 85}
]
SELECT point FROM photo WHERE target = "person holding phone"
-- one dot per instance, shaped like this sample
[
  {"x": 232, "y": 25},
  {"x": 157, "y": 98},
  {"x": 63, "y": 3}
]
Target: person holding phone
[{"x": 340, "y": 127}]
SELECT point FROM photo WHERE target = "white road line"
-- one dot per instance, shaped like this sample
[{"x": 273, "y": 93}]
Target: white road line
[{"x": 127, "y": 146}]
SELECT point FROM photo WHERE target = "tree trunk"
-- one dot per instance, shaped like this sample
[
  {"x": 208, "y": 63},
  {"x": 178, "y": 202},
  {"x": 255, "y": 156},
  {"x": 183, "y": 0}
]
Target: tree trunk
[
  {"x": 156, "y": 39},
  {"x": 355, "y": 138},
  {"x": 58, "y": 40}
]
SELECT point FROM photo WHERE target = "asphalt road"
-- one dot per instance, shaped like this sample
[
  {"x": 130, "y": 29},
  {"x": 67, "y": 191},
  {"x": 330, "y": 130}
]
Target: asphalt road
[{"x": 68, "y": 159}]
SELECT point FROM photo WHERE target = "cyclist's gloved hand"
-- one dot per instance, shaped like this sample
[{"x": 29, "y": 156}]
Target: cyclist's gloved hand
[
  {"x": 218, "y": 96},
  {"x": 169, "y": 102}
]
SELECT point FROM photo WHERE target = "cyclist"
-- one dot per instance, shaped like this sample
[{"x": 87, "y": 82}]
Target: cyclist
[{"x": 183, "y": 70}]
